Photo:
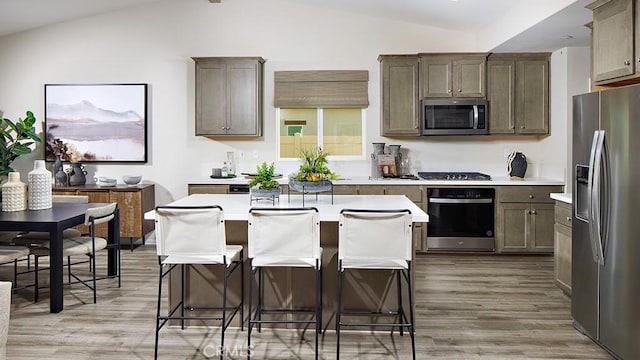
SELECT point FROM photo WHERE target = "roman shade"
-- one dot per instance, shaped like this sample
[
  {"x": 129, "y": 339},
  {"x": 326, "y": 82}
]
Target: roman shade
[{"x": 321, "y": 88}]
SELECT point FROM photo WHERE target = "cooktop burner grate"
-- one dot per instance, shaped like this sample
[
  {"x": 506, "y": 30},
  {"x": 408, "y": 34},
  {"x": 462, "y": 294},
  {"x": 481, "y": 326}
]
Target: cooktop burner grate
[{"x": 428, "y": 175}]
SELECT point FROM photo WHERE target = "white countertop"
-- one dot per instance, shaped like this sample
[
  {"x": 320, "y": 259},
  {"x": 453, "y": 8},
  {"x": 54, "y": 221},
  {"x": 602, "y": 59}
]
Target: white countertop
[
  {"x": 564, "y": 197},
  {"x": 364, "y": 180},
  {"x": 236, "y": 207}
]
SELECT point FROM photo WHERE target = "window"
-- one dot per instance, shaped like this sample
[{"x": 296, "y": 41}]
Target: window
[
  {"x": 338, "y": 131},
  {"x": 321, "y": 108}
]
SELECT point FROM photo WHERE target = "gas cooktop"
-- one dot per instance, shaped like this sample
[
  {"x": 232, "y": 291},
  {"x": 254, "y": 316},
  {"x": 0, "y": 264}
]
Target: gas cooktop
[{"x": 427, "y": 175}]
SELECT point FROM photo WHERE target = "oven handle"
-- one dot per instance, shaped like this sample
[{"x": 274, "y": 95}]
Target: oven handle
[{"x": 459, "y": 201}]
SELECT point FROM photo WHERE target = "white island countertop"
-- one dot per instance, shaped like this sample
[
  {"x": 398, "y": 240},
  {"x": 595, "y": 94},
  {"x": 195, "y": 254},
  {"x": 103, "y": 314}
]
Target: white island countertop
[
  {"x": 364, "y": 180},
  {"x": 236, "y": 207},
  {"x": 564, "y": 197}
]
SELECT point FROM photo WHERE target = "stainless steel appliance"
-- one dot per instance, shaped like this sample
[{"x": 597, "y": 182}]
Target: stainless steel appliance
[
  {"x": 454, "y": 117},
  {"x": 428, "y": 175},
  {"x": 460, "y": 219},
  {"x": 605, "y": 285}
]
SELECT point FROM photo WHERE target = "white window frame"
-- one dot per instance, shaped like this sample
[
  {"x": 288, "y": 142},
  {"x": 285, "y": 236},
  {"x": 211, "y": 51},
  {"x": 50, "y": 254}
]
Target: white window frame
[{"x": 320, "y": 118}]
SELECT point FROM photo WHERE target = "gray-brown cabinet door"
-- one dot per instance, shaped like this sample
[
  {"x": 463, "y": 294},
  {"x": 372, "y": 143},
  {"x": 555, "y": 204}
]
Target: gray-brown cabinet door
[
  {"x": 400, "y": 105},
  {"x": 612, "y": 39},
  {"x": 532, "y": 97},
  {"x": 469, "y": 77},
  {"x": 436, "y": 76},
  {"x": 513, "y": 227},
  {"x": 501, "y": 96},
  {"x": 542, "y": 222},
  {"x": 211, "y": 98},
  {"x": 242, "y": 79}
]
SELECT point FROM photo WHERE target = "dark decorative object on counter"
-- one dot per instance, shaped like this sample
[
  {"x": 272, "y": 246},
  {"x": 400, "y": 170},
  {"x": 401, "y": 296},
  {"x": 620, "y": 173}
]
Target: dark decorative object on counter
[
  {"x": 517, "y": 165},
  {"x": 77, "y": 176},
  {"x": 60, "y": 176}
]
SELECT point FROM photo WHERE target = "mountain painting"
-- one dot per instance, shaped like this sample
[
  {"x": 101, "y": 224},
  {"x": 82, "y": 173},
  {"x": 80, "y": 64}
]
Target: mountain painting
[{"x": 97, "y": 122}]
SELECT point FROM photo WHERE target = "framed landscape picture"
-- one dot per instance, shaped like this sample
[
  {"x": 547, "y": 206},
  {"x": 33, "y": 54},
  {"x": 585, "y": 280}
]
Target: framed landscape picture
[{"x": 96, "y": 122}]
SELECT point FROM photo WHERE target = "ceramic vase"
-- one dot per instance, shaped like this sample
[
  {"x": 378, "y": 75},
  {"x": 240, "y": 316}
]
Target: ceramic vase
[
  {"x": 77, "y": 175},
  {"x": 60, "y": 176},
  {"x": 39, "y": 180},
  {"x": 14, "y": 193}
]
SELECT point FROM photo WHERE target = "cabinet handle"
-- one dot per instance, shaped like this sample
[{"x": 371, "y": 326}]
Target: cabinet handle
[
  {"x": 627, "y": 62},
  {"x": 224, "y": 128},
  {"x": 528, "y": 211},
  {"x": 459, "y": 90},
  {"x": 533, "y": 212},
  {"x": 521, "y": 126},
  {"x": 568, "y": 218},
  {"x": 417, "y": 127},
  {"x": 530, "y": 196}
]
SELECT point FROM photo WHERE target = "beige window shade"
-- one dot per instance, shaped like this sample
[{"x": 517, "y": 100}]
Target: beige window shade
[{"x": 321, "y": 88}]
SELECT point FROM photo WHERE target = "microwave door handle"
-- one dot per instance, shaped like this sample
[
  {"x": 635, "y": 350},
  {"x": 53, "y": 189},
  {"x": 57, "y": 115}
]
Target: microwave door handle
[{"x": 475, "y": 116}]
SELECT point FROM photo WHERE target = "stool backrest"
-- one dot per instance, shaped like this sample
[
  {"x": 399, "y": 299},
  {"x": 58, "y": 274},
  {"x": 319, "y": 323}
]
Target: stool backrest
[
  {"x": 284, "y": 233},
  {"x": 190, "y": 231},
  {"x": 367, "y": 236}
]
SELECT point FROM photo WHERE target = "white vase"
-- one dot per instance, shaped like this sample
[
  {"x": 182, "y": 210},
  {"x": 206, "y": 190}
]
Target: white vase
[
  {"x": 39, "y": 187},
  {"x": 14, "y": 193}
]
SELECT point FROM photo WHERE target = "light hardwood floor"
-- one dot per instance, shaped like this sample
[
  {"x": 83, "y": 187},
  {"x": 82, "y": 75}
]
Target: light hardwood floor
[{"x": 468, "y": 307}]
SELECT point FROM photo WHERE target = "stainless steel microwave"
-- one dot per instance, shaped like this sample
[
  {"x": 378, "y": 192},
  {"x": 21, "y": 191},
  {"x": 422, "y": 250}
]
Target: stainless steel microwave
[{"x": 454, "y": 117}]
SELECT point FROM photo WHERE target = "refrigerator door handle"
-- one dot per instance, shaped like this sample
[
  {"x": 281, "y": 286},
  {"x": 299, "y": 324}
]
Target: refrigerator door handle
[
  {"x": 595, "y": 201},
  {"x": 605, "y": 199}
]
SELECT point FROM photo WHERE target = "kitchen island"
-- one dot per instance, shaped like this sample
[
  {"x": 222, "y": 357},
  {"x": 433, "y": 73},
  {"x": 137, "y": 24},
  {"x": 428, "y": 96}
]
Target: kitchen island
[{"x": 290, "y": 287}]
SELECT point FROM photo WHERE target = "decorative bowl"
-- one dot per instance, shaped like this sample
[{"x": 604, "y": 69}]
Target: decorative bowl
[
  {"x": 310, "y": 186},
  {"x": 131, "y": 180},
  {"x": 106, "y": 181}
]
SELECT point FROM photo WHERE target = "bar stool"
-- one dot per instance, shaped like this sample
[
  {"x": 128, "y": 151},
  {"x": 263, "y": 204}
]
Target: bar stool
[
  {"x": 195, "y": 235},
  {"x": 376, "y": 239},
  {"x": 283, "y": 237}
]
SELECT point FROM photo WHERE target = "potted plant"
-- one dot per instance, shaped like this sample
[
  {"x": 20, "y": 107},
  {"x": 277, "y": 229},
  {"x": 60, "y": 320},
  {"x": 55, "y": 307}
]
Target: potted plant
[
  {"x": 313, "y": 175},
  {"x": 17, "y": 138},
  {"x": 263, "y": 184}
]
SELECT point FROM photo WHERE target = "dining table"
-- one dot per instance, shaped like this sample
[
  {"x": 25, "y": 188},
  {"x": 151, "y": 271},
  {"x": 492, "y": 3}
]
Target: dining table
[{"x": 54, "y": 220}]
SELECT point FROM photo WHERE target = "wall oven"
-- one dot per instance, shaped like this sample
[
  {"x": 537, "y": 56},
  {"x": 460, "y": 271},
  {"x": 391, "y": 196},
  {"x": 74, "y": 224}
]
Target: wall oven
[{"x": 460, "y": 219}]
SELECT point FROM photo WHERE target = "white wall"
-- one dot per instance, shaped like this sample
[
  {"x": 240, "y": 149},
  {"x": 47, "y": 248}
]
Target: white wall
[
  {"x": 153, "y": 44},
  {"x": 569, "y": 76}
]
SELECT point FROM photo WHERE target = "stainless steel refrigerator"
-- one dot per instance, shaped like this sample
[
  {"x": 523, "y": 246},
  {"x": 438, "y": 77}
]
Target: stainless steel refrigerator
[{"x": 605, "y": 270}]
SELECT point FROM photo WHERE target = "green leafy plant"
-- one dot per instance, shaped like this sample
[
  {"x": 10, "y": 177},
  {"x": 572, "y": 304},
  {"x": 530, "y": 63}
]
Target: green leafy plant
[
  {"x": 17, "y": 138},
  {"x": 313, "y": 166},
  {"x": 264, "y": 179}
]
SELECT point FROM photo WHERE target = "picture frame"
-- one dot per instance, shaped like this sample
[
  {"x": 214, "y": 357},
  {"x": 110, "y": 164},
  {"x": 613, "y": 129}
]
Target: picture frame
[{"x": 96, "y": 123}]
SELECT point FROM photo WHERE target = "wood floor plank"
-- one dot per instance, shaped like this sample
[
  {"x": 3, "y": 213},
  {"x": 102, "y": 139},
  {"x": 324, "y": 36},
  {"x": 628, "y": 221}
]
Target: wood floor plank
[{"x": 467, "y": 307}]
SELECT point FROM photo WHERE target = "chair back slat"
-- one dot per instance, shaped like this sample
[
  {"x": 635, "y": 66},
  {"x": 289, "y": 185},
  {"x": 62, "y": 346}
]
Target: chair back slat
[
  {"x": 99, "y": 215},
  {"x": 281, "y": 233},
  {"x": 367, "y": 235},
  {"x": 190, "y": 231}
]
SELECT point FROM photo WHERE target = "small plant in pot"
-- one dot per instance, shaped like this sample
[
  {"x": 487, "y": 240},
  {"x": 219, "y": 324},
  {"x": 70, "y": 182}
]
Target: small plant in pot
[
  {"x": 313, "y": 173},
  {"x": 264, "y": 185},
  {"x": 17, "y": 138}
]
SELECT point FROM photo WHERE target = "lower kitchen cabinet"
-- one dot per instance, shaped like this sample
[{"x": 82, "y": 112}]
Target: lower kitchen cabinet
[
  {"x": 525, "y": 219},
  {"x": 133, "y": 202},
  {"x": 562, "y": 252}
]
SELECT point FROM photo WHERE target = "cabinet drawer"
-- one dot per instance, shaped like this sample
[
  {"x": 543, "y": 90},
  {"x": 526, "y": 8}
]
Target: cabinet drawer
[
  {"x": 563, "y": 214},
  {"x": 414, "y": 193},
  {"x": 531, "y": 194}
]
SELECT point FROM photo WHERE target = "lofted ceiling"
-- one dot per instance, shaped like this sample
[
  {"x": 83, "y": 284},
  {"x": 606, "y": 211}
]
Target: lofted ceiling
[{"x": 565, "y": 28}]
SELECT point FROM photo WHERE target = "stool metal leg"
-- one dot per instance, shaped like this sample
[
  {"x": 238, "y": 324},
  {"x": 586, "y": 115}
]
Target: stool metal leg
[
  {"x": 411, "y": 315},
  {"x": 401, "y": 316},
  {"x": 155, "y": 354},
  {"x": 339, "y": 311},
  {"x": 250, "y": 324}
]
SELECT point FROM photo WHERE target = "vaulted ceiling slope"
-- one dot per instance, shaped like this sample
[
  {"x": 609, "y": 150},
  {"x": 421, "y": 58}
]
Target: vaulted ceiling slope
[{"x": 499, "y": 25}]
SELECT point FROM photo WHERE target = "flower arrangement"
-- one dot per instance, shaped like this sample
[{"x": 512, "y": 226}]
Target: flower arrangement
[
  {"x": 264, "y": 179},
  {"x": 66, "y": 151},
  {"x": 313, "y": 166}
]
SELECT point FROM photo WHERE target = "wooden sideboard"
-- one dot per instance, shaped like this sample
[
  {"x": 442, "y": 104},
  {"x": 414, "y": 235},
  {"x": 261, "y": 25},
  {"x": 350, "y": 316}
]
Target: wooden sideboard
[{"x": 133, "y": 202}]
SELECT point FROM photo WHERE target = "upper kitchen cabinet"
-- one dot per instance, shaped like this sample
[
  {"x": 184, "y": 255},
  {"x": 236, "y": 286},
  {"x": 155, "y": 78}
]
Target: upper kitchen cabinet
[
  {"x": 614, "y": 50},
  {"x": 518, "y": 93},
  {"x": 229, "y": 96},
  {"x": 399, "y": 93},
  {"x": 452, "y": 75}
]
